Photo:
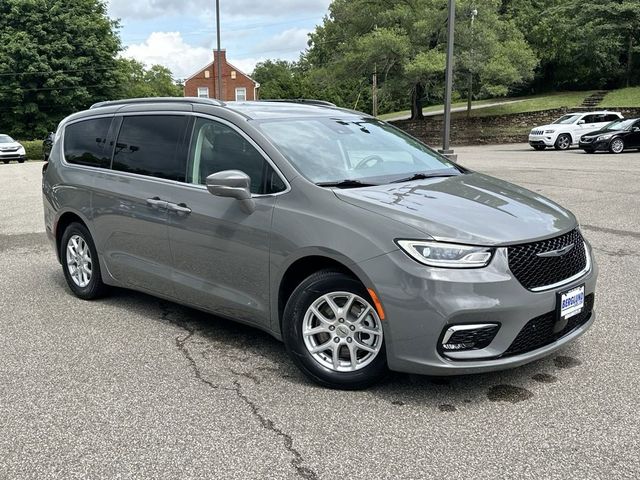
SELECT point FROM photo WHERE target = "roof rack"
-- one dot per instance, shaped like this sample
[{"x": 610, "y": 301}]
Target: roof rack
[
  {"x": 132, "y": 101},
  {"x": 308, "y": 101}
]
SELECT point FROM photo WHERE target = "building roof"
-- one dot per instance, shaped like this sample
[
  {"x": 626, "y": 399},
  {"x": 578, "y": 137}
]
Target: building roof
[{"x": 210, "y": 65}]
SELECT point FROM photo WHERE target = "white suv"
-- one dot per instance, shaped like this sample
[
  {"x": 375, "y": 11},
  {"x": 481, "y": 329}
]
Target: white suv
[{"x": 568, "y": 129}]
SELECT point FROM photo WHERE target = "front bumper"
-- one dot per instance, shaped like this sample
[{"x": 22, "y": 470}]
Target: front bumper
[
  {"x": 420, "y": 302},
  {"x": 12, "y": 156},
  {"x": 546, "y": 140},
  {"x": 594, "y": 146}
]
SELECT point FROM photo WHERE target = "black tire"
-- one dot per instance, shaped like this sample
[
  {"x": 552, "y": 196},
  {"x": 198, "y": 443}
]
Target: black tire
[
  {"x": 5, "y": 161},
  {"x": 20, "y": 161},
  {"x": 539, "y": 147},
  {"x": 310, "y": 290},
  {"x": 589, "y": 150},
  {"x": 95, "y": 288},
  {"x": 563, "y": 142},
  {"x": 616, "y": 145}
]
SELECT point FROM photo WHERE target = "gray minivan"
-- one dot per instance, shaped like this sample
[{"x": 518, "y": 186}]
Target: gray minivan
[{"x": 358, "y": 246}]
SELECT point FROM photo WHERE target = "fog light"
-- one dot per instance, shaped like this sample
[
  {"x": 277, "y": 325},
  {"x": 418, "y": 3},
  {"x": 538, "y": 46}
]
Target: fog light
[{"x": 469, "y": 337}]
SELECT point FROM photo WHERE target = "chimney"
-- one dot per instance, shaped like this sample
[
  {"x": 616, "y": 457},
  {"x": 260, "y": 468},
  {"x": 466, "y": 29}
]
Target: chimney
[{"x": 219, "y": 63}]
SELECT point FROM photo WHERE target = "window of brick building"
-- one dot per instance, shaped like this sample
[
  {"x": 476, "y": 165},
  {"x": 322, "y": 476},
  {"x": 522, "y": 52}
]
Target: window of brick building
[
  {"x": 203, "y": 92},
  {"x": 241, "y": 94}
]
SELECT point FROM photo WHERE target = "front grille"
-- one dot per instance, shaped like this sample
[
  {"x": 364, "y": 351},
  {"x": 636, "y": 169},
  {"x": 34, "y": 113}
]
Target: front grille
[
  {"x": 533, "y": 271},
  {"x": 540, "y": 331},
  {"x": 475, "y": 339},
  {"x": 537, "y": 132}
]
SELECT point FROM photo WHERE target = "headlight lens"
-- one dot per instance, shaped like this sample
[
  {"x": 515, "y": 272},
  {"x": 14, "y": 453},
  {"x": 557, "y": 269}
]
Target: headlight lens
[
  {"x": 21, "y": 151},
  {"x": 603, "y": 137},
  {"x": 549, "y": 131},
  {"x": 447, "y": 255}
]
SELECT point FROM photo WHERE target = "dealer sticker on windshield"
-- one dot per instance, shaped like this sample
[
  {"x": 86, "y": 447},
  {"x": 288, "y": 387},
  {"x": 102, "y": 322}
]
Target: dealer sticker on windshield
[{"x": 571, "y": 302}]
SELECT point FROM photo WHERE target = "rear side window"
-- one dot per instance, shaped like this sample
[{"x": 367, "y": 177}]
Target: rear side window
[
  {"x": 611, "y": 117},
  {"x": 85, "y": 143},
  {"x": 152, "y": 145}
]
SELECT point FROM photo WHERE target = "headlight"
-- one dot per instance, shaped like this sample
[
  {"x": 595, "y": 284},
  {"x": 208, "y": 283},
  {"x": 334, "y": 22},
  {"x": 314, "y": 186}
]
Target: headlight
[
  {"x": 21, "y": 151},
  {"x": 549, "y": 131},
  {"x": 447, "y": 255},
  {"x": 603, "y": 137}
]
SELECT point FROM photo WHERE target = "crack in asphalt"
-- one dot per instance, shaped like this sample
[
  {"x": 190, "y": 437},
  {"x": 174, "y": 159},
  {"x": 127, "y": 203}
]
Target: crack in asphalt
[
  {"x": 614, "y": 231},
  {"x": 181, "y": 342}
]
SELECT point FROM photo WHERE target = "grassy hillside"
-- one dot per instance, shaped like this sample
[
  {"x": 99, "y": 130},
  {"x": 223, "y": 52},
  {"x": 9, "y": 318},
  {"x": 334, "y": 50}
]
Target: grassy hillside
[
  {"x": 536, "y": 103},
  {"x": 625, "y": 97}
]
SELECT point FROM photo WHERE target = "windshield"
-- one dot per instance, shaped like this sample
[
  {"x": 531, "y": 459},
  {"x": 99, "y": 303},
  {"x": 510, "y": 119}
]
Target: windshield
[
  {"x": 6, "y": 139},
  {"x": 566, "y": 119},
  {"x": 619, "y": 125},
  {"x": 331, "y": 150}
]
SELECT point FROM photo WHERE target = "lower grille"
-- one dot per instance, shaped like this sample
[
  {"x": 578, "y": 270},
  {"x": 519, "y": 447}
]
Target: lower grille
[
  {"x": 535, "y": 271},
  {"x": 540, "y": 331}
]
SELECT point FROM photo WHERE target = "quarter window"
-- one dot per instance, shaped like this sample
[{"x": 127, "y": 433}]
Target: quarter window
[
  {"x": 85, "y": 143},
  {"x": 215, "y": 147},
  {"x": 611, "y": 118},
  {"x": 152, "y": 145}
]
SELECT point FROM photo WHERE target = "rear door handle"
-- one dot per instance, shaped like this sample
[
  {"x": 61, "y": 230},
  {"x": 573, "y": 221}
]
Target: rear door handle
[
  {"x": 156, "y": 202},
  {"x": 179, "y": 208}
]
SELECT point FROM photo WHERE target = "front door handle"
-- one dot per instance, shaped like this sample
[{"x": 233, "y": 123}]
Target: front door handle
[
  {"x": 179, "y": 208},
  {"x": 156, "y": 202}
]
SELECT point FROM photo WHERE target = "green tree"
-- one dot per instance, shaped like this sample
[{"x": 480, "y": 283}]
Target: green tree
[
  {"x": 56, "y": 56},
  {"x": 278, "y": 79},
  {"x": 135, "y": 81}
]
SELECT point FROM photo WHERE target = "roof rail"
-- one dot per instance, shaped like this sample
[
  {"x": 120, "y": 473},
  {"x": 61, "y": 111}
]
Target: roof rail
[
  {"x": 132, "y": 101},
  {"x": 308, "y": 101}
]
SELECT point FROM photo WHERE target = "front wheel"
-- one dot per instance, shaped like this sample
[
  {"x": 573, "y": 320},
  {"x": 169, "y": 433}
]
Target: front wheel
[
  {"x": 333, "y": 332},
  {"x": 80, "y": 263},
  {"x": 589, "y": 150},
  {"x": 563, "y": 142},
  {"x": 5, "y": 161},
  {"x": 616, "y": 145},
  {"x": 539, "y": 147},
  {"x": 21, "y": 161}
]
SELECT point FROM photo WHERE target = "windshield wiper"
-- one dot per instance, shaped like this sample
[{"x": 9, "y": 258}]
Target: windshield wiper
[
  {"x": 347, "y": 183},
  {"x": 424, "y": 176}
]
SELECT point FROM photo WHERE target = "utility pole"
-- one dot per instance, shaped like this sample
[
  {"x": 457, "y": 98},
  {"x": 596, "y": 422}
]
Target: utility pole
[
  {"x": 449, "y": 84},
  {"x": 218, "y": 66},
  {"x": 474, "y": 14},
  {"x": 374, "y": 93}
]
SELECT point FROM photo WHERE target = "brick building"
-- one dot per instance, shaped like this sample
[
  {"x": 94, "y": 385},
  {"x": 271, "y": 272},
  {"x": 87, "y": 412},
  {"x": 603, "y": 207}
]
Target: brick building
[{"x": 236, "y": 85}]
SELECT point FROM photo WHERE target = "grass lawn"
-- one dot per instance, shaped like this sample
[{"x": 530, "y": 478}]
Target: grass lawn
[
  {"x": 625, "y": 97},
  {"x": 535, "y": 103},
  {"x": 435, "y": 108}
]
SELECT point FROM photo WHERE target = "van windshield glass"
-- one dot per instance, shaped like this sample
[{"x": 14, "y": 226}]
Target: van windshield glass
[
  {"x": 333, "y": 150},
  {"x": 6, "y": 139}
]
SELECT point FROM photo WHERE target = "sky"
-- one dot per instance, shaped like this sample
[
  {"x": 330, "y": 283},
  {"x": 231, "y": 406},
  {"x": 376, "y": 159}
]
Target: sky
[{"x": 181, "y": 34}]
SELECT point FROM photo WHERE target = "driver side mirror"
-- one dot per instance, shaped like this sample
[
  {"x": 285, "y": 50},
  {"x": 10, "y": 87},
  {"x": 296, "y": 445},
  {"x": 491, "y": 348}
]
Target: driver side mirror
[
  {"x": 232, "y": 184},
  {"x": 581, "y": 122},
  {"x": 636, "y": 129}
]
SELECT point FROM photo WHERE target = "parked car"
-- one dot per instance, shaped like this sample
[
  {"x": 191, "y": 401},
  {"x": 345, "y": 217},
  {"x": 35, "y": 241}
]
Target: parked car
[
  {"x": 357, "y": 245},
  {"x": 567, "y": 130},
  {"x": 11, "y": 150},
  {"x": 47, "y": 144},
  {"x": 615, "y": 137}
]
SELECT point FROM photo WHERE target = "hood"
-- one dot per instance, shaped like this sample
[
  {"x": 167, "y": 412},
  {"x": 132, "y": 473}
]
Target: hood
[
  {"x": 11, "y": 145},
  {"x": 548, "y": 127},
  {"x": 473, "y": 208},
  {"x": 597, "y": 133}
]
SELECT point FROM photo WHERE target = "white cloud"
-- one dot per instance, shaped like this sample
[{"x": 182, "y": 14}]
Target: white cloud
[
  {"x": 170, "y": 49},
  {"x": 288, "y": 41},
  {"x": 145, "y": 9}
]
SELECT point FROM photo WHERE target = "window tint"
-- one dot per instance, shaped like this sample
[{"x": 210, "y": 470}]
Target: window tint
[
  {"x": 85, "y": 143},
  {"x": 611, "y": 118},
  {"x": 152, "y": 145},
  {"x": 216, "y": 147},
  {"x": 589, "y": 119}
]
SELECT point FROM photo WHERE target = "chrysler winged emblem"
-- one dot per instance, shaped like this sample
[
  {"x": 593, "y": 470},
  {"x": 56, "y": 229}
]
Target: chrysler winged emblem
[{"x": 556, "y": 253}]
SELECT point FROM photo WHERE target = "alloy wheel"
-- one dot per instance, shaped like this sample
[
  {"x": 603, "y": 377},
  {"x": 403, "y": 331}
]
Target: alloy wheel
[
  {"x": 564, "y": 142},
  {"x": 79, "y": 261},
  {"x": 617, "y": 146},
  {"x": 342, "y": 331}
]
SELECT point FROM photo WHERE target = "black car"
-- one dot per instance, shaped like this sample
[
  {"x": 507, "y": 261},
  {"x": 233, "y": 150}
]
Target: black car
[
  {"x": 615, "y": 137},
  {"x": 47, "y": 144}
]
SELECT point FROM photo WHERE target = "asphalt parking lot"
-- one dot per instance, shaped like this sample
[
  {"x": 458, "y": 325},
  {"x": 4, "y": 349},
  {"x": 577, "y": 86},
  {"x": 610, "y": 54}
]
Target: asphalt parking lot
[{"x": 135, "y": 387}]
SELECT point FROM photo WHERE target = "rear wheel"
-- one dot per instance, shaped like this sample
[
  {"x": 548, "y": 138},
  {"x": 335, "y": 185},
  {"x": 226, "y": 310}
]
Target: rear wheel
[
  {"x": 616, "y": 145},
  {"x": 539, "y": 147},
  {"x": 333, "y": 332},
  {"x": 563, "y": 142},
  {"x": 80, "y": 263}
]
